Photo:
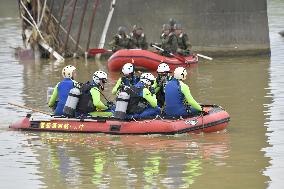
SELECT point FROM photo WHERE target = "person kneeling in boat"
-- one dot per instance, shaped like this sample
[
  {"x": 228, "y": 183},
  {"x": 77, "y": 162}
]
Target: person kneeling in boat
[
  {"x": 163, "y": 77},
  {"x": 176, "y": 93},
  {"x": 169, "y": 41},
  {"x": 184, "y": 45},
  {"x": 138, "y": 38},
  {"x": 128, "y": 79},
  {"x": 142, "y": 102},
  {"x": 121, "y": 40},
  {"x": 60, "y": 93},
  {"x": 102, "y": 110}
]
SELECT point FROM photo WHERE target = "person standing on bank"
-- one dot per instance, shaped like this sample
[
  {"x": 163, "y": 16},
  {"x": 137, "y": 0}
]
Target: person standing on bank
[
  {"x": 138, "y": 38},
  {"x": 178, "y": 99},
  {"x": 184, "y": 45},
  {"x": 121, "y": 40},
  {"x": 62, "y": 89}
]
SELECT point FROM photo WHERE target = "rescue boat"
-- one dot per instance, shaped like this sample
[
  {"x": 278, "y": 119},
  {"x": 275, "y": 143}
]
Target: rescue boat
[
  {"x": 215, "y": 120},
  {"x": 147, "y": 59}
]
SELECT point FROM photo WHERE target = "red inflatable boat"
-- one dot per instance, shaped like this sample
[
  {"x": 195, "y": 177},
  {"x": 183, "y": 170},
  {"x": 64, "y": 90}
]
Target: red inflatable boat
[
  {"x": 146, "y": 59},
  {"x": 215, "y": 120}
]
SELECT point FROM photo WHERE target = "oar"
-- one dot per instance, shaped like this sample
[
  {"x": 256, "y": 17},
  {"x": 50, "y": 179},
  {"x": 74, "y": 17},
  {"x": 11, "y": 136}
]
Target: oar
[
  {"x": 93, "y": 52},
  {"x": 205, "y": 57},
  {"x": 28, "y": 108},
  {"x": 183, "y": 60}
]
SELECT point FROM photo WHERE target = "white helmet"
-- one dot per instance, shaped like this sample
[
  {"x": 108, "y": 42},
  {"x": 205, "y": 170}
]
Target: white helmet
[
  {"x": 99, "y": 76},
  {"x": 127, "y": 69},
  {"x": 67, "y": 71},
  {"x": 180, "y": 73},
  {"x": 147, "y": 78},
  {"x": 163, "y": 67}
]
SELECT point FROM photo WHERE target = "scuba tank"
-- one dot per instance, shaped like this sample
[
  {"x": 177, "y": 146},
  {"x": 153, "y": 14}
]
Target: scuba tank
[
  {"x": 49, "y": 93},
  {"x": 121, "y": 105},
  {"x": 71, "y": 102}
]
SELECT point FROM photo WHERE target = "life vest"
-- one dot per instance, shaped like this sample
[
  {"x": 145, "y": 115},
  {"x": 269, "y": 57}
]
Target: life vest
[
  {"x": 160, "y": 95},
  {"x": 181, "y": 38},
  {"x": 174, "y": 99},
  {"x": 129, "y": 82},
  {"x": 64, "y": 88},
  {"x": 137, "y": 104},
  {"x": 85, "y": 104}
]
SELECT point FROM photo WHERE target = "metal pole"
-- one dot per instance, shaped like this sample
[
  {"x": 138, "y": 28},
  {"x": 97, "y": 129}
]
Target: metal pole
[
  {"x": 60, "y": 18},
  {"x": 103, "y": 37},
  {"x": 80, "y": 27},
  {"x": 69, "y": 27},
  {"x": 49, "y": 16},
  {"x": 91, "y": 25}
]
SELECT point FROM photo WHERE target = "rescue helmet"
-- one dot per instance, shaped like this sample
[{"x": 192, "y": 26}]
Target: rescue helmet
[
  {"x": 121, "y": 30},
  {"x": 163, "y": 68},
  {"x": 67, "y": 71},
  {"x": 166, "y": 27},
  {"x": 180, "y": 73},
  {"x": 147, "y": 78},
  {"x": 99, "y": 76},
  {"x": 178, "y": 27},
  {"x": 127, "y": 69}
]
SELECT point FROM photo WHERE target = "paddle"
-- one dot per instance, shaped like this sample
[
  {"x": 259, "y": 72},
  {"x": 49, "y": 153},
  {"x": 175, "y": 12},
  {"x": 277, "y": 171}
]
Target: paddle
[
  {"x": 94, "y": 51},
  {"x": 180, "y": 58},
  {"x": 28, "y": 108},
  {"x": 205, "y": 57}
]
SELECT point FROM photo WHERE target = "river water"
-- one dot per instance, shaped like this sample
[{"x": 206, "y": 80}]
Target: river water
[{"x": 249, "y": 154}]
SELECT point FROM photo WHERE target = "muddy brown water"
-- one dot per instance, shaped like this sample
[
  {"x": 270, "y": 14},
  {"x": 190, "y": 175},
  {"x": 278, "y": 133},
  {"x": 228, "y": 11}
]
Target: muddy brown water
[{"x": 248, "y": 154}]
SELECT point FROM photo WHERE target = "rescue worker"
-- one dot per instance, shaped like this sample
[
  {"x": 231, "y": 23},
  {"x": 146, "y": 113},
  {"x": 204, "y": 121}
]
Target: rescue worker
[
  {"x": 99, "y": 79},
  {"x": 169, "y": 41},
  {"x": 184, "y": 45},
  {"x": 121, "y": 40},
  {"x": 142, "y": 102},
  {"x": 62, "y": 89},
  {"x": 128, "y": 79},
  {"x": 163, "y": 77},
  {"x": 138, "y": 38},
  {"x": 178, "y": 99},
  {"x": 172, "y": 23}
]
